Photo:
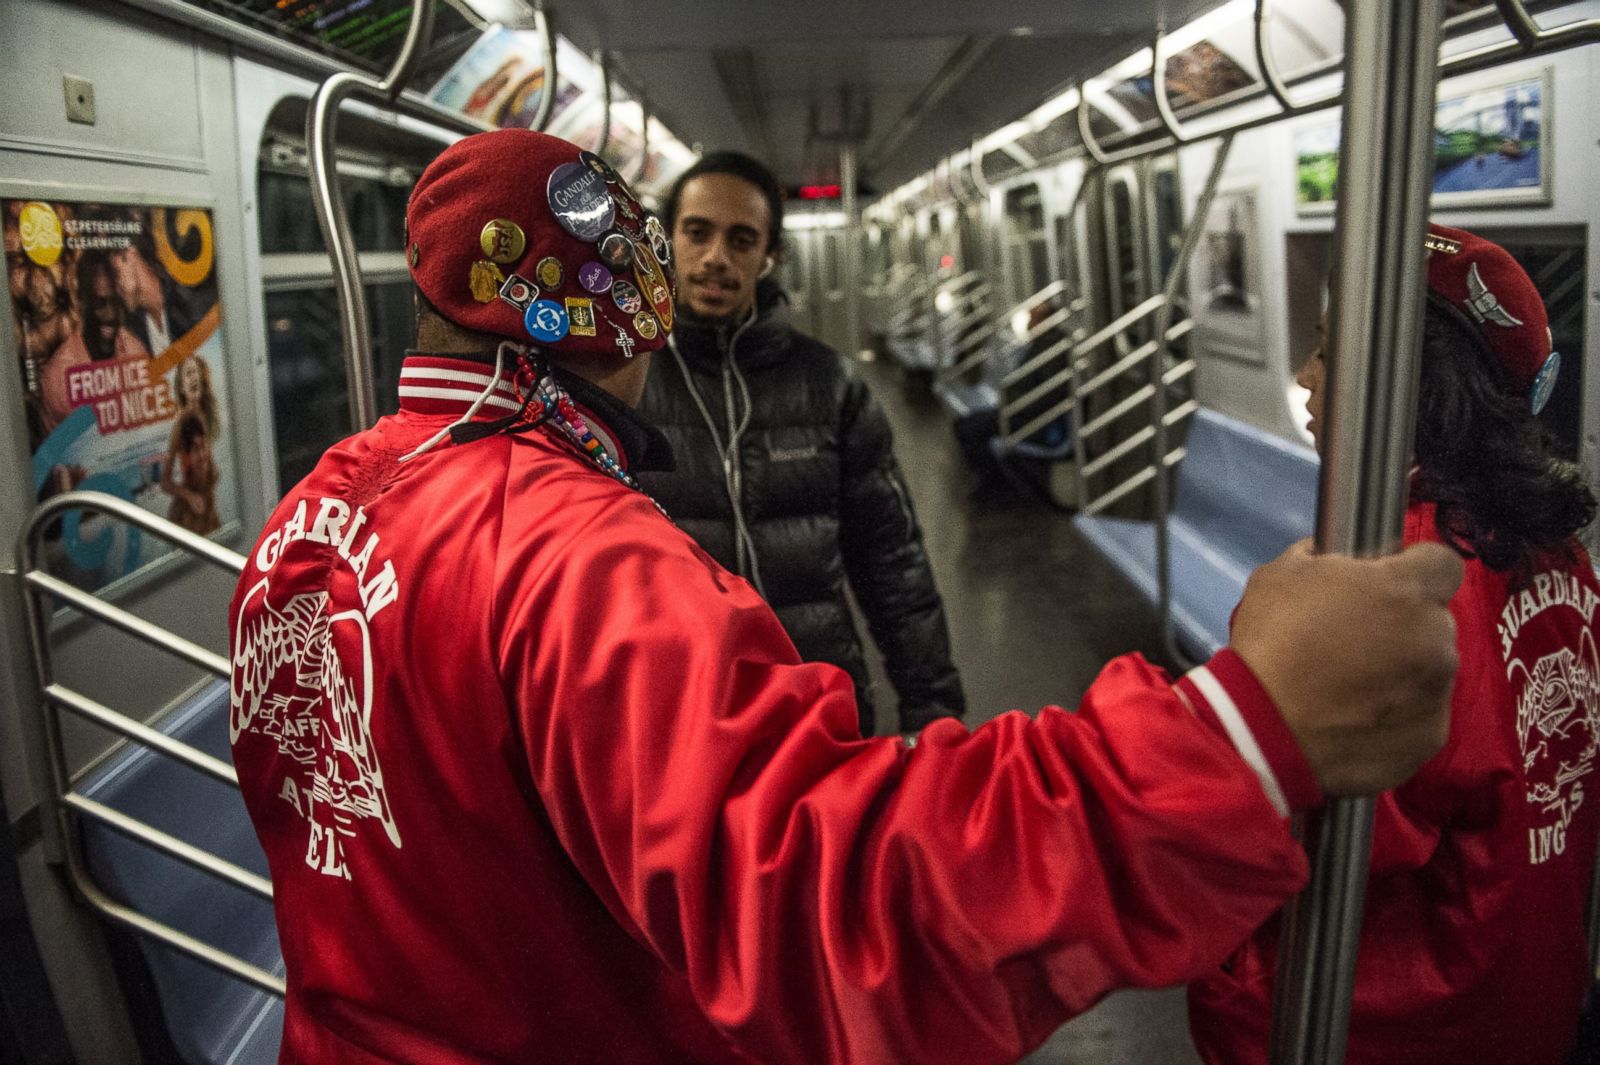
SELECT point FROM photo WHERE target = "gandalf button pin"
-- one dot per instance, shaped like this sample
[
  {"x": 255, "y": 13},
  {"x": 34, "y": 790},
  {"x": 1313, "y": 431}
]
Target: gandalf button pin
[
  {"x": 485, "y": 281},
  {"x": 580, "y": 201},
  {"x": 545, "y": 321},
  {"x": 502, "y": 241},
  {"x": 595, "y": 278}
]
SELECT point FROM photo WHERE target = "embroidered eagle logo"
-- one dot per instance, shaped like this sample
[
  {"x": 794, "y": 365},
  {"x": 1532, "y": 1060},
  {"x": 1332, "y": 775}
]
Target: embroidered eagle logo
[
  {"x": 290, "y": 684},
  {"x": 1485, "y": 305}
]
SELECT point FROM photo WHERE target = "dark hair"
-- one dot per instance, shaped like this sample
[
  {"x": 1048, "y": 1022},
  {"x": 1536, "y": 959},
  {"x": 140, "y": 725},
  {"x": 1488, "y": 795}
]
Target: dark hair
[
  {"x": 746, "y": 169},
  {"x": 1483, "y": 458}
]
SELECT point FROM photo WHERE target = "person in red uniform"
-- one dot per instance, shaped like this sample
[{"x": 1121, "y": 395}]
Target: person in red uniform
[
  {"x": 1473, "y": 942},
  {"x": 538, "y": 781}
]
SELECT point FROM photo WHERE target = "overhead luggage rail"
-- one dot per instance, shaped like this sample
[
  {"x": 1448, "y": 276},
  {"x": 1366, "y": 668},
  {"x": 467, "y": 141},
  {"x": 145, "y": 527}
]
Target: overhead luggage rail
[
  {"x": 66, "y": 801},
  {"x": 1527, "y": 39}
]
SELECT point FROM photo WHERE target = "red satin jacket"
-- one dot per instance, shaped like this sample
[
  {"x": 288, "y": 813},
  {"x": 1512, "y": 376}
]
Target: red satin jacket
[
  {"x": 540, "y": 782},
  {"x": 1473, "y": 941}
]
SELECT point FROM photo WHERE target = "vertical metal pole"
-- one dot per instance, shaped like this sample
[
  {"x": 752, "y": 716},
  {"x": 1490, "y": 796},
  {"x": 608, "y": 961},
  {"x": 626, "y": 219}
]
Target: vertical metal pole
[
  {"x": 1158, "y": 399},
  {"x": 604, "y": 140},
  {"x": 1390, "y": 81},
  {"x": 1095, "y": 173},
  {"x": 851, "y": 253},
  {"x": 322, "y": 118}
]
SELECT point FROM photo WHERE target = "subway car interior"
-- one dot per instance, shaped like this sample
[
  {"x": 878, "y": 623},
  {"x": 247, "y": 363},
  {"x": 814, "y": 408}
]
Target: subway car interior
[{"x": 1079, "y": 252}]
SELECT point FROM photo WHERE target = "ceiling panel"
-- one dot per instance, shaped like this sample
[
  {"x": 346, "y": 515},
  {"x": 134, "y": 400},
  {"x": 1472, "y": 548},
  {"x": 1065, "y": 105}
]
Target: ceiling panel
[{"x": 915, "y": 79}]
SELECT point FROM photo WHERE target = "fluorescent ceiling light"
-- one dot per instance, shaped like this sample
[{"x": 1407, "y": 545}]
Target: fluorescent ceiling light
[{"x": 820, "y": 220}]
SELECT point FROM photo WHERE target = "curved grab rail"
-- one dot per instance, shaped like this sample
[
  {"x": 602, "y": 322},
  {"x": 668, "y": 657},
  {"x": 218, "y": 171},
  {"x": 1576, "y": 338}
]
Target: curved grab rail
[
  {"x": 1090, "y": 145},
  {"x": 1269, "y": 69},
  {"x": 1519, "y": 22},
  {"x": 1158, "y": 89},
  {"x": 334, "y": 220},
  {"x": 552, "y": 75}
]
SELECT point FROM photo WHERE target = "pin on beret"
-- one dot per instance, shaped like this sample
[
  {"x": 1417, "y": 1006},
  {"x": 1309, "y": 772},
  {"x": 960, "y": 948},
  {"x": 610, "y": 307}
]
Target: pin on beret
[{"x": 526, "y": 236}]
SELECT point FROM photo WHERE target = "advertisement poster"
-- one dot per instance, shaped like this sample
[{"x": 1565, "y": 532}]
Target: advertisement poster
[
  {"x": 500, "y": 81},
  {"x": 1489, "y": 149},
  {"x": 1225, "y": 280},
  {"x": 117, "y": 323}
]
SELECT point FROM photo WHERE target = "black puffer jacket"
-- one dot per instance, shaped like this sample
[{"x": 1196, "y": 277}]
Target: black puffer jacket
[{"x": 821, "y": 499}]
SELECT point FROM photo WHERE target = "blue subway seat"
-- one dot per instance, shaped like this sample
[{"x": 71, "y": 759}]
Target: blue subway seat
[
  {"x": 964, "y": 400},
  {"x": 1242, "y": 496},
  {"x": 212, "y": 1018}
]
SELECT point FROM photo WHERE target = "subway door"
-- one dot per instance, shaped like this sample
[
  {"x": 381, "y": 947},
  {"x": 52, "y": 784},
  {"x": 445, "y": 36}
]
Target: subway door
[
  {"x": 794, "y": 275},
  {"x": 830, "y": 323}
]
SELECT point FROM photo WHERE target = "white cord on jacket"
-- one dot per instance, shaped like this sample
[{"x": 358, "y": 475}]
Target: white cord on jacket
[{"x": 730, "y": 456}]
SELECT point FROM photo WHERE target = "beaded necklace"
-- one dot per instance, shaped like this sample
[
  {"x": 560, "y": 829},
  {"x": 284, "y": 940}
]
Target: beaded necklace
[
  {"x": 561, "y": 414},
  {"x": 535, "y": 384}
]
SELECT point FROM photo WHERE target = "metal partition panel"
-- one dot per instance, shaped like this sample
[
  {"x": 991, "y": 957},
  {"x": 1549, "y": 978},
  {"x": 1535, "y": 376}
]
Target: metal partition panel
[{"x": 63, "y": 803}]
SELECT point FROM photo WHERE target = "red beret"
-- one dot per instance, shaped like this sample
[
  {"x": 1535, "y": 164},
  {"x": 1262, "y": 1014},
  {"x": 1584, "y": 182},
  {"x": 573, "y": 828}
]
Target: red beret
[
  {"x": 1483, "y": 281},
  {"x": 526, "y": 236}
]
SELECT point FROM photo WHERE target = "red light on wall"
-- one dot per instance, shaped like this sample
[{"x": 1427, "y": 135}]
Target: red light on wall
[
  {"x": 818, "y": 192},
  {"x": 946, "y": 261}
]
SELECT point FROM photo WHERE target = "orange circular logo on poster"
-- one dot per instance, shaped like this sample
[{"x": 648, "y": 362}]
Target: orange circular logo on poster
[{"x": 41, "y": 233}]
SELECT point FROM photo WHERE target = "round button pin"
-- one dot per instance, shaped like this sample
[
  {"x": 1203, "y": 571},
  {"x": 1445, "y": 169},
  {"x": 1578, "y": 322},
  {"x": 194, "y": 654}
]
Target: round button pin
[
  {"x": 580, "y": 201},
  {"x": 595, "y": 278},
  {"x": 627, "y": 298},
  {"x": 645, "y": 323},
  {"x": 546, "y": 321},
  {"x": 502, "y": 241},
  {"x": 616, "y": 251},
  {"x": 549, "y": 272},
  {"x": 599, "y": 166}
]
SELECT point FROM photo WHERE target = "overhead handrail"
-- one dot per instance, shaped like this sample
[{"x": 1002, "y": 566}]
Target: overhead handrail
[
  {"x": 332, "y": 218},
  {"x": 552, "y": 75},
  {"x": 1090, "y": 144},
  {"x": 1543, "y": 42},
  {"x": 294, "y": 57},
  {"x": 1519, "y": 22},
  {"x": 1158, "y": 88},
  {"x": 1391, "y": 49},
  {"x": 63, "y": 803},
  {"x": 1158, "y": 396},
  {"x": 1269, "y": 68}
]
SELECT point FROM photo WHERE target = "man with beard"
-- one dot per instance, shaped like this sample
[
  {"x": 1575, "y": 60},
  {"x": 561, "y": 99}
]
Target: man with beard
[
  {"x": 785, "y": 463},
  {"x": 102, "y": 334}
]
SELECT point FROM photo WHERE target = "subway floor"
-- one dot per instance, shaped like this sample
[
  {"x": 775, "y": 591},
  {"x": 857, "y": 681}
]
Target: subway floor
[{"x": 1034, "y": 613}]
